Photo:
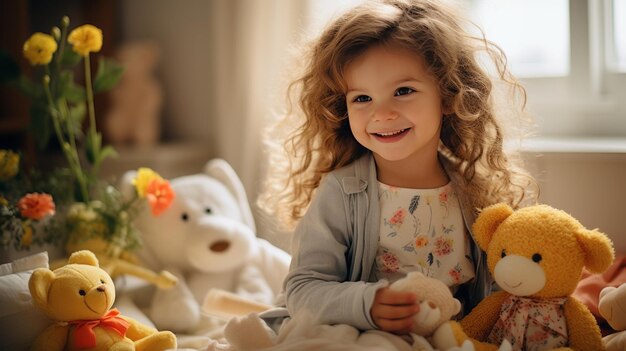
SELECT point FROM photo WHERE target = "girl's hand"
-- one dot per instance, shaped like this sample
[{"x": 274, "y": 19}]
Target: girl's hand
[{"x": 393, "y": 311}]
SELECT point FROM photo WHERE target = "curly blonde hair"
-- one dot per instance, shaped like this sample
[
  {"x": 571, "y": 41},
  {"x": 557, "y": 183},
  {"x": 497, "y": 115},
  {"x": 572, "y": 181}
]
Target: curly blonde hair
[{"x": 471, "y": 138}]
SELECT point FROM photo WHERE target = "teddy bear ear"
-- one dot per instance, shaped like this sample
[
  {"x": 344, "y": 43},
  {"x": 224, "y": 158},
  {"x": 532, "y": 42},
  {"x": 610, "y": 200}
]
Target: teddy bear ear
[
  {"x": 39, "y": 284},
  {"x": 488, "y": 221},
  {"x": 84, "y": 257},
  {"x": 598, "y": 249},
  {"x": 223, "y": 172}
]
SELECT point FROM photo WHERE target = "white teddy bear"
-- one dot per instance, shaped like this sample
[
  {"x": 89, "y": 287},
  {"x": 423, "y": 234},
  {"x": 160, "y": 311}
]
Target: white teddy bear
[
  {"x": 612, "y": 307},
  {"x": 207, "y": 239}
]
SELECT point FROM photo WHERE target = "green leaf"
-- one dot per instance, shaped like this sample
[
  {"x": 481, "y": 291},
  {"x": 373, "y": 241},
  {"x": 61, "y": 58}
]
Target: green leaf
[
  {"x": 108, "y": 151},
  {"x": 70, "y": 58},
  {"x": 108, "y": 75},
  {"x": 69, "y": 89},
  {"x": 40, "y": 125},
  {"x": 9, "y": 69},
  {"x": 74, "y": 93},
  {"x": 77, "y": 116}
]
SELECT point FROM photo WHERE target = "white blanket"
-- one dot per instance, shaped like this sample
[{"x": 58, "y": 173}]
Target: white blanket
[{"x": 250, "y": 333}]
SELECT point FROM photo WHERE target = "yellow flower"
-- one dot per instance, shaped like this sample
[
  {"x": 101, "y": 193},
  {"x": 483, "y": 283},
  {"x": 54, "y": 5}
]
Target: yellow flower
[
  {"x": 86, "y": 39},
  {"x": 143, "y": 179},
  {"x": 39, "y": 48},
  {"x": 3, "y": 201},
  {"x": 9, "y": 164},
  {"x": 27, "y": 237}
]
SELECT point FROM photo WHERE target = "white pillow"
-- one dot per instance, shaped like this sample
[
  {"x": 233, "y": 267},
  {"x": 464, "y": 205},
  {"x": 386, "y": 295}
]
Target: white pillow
[{"x": 20, "y": 320}]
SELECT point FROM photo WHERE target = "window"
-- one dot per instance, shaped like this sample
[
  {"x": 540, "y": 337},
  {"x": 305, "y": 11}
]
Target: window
[
  {"x": 619, "y": 35},
  {"x": 537, "y": 48},
  {"x": 570, "y": 56}
]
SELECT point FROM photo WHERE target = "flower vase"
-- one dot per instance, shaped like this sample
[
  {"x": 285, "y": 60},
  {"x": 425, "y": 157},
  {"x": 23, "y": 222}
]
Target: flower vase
[{"x": 55, "y": 249}]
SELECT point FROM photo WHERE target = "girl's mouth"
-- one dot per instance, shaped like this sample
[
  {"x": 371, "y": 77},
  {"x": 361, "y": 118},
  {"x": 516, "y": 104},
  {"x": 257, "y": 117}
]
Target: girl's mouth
[{"x": 391, "y": 136}]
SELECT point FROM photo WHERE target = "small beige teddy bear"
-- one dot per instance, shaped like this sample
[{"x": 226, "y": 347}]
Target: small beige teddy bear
[
  {"x": 437, "y": 305},
  {"x": 612, "y": 307},
  {"x": 134, "y": 117}
]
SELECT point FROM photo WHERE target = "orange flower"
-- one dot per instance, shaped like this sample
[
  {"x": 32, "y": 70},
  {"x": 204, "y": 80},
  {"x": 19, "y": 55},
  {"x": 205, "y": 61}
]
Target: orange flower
[
  {"x": 160, "y": 195},
  {"x": 36, "y": 206},
  {"x": 421, "y": 241}
]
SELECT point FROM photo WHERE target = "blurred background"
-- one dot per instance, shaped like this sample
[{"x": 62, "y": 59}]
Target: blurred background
[{"x": 206, "y": 77}]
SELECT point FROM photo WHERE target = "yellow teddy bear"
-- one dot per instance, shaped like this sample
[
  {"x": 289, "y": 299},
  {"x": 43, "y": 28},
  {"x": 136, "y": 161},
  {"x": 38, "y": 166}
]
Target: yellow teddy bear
[
  {"x": 536, "y": 255},
  {"x": 78, "y": 297}
]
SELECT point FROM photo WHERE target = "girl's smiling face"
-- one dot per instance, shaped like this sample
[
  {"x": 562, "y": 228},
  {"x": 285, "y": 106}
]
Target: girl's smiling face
[{"x": 394, "y": 104}]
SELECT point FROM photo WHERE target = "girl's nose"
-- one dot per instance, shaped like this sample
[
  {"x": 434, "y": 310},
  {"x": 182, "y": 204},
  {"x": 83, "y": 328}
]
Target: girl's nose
[{"x": 385, "y": 112}]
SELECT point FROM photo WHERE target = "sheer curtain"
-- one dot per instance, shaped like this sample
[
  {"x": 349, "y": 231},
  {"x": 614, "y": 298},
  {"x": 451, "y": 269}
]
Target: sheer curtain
[{"x": 252, "y": 44}]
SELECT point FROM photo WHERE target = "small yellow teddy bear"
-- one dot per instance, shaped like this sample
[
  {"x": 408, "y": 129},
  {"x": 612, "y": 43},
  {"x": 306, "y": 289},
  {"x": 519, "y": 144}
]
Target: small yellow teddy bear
[
  {"x": 78, "y": 297},
  {"x": 536, "y": 255}
]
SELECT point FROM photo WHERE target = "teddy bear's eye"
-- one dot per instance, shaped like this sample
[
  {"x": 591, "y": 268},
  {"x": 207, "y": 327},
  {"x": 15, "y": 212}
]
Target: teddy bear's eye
[
  {"x": 82, "y": 292},
  {"x": 537, "y": 257},
  {"x": 101, "y": 281},
  {"x": 184, "y": 217},
  {"x": 208, "y": 210},
  {"x": 503, "y": 254}
]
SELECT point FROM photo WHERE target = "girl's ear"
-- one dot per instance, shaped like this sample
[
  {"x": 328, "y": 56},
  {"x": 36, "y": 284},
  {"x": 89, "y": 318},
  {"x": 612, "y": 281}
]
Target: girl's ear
[{"x": 488, "y": 221}]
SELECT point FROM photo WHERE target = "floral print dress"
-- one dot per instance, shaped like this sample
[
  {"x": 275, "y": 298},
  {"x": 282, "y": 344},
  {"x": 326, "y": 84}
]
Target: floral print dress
[
  {"x": 531, "y": 324},
  {"x": 422, "y": 230}
]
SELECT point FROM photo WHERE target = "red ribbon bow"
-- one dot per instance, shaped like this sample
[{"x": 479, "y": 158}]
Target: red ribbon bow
[{"x": 85, "y": 337}]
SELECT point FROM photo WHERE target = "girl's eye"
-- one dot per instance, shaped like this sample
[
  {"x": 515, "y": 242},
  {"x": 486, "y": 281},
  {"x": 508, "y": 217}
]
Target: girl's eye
[
  {"x": 362, "y": 98},
  {"x": 403, "y": 91}
]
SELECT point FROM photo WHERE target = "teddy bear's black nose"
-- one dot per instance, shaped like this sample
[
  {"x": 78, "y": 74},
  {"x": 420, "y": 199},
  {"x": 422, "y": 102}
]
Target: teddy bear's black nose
[
  {"x": 100, "y": 288},
  {"x": 219, "y": 246}
]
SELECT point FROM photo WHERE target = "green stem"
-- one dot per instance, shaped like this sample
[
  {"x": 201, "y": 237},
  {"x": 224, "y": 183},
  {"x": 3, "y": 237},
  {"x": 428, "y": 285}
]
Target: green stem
[
  {"x": 89, "y": 88},
  {"x": 69, "y": 152},
  {"x": 78, "y": 170},
  {"x": 93, "y": 133},
  {"x": 70, "y": 129}
]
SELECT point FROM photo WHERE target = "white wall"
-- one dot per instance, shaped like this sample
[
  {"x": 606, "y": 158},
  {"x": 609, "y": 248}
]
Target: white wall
[{"x": 590, "y": 186}]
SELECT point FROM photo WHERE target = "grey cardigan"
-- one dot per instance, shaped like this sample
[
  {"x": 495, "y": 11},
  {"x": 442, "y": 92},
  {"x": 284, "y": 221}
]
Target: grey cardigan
[{"x": 335, "y": 245}]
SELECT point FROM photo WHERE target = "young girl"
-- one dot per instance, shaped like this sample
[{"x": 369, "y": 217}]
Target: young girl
[{"x": 396, "y": 149}]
